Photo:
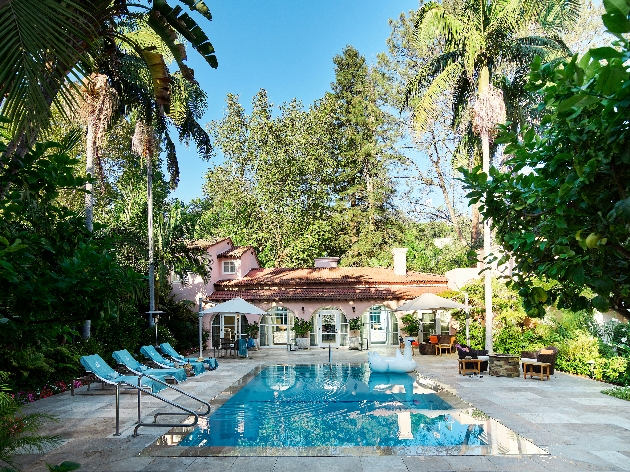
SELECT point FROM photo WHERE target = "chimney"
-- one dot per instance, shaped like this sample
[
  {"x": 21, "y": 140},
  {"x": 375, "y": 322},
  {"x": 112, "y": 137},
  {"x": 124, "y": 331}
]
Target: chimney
[
  {"x": 400, "y": 260},
  {"x": 326, "y": 261}
]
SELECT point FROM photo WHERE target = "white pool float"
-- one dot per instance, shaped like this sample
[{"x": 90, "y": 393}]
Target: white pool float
[{"x": 400, "y": 364}]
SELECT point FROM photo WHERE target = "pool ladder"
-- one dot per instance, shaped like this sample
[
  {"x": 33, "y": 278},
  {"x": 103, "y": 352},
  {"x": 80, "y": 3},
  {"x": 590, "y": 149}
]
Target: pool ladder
[{"x": 141, "y": 389}]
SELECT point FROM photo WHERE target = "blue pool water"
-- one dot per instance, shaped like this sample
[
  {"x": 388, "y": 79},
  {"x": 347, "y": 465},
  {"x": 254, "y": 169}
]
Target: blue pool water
[{"x": 339, "y": 410}]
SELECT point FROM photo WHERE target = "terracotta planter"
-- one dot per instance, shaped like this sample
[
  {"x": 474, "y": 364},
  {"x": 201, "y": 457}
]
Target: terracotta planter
[{"x": 355, "y": 333}]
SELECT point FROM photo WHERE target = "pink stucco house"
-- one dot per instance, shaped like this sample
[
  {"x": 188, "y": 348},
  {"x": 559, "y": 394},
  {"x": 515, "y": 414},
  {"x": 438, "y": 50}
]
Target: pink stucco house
[{"x": 328, "y": 295}]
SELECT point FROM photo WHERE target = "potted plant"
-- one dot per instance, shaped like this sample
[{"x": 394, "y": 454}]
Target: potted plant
[
  {"x": 354, "y": 340},
  {"x": 355, "y": 327},
  {"x": 302, "y": 329},
  {"x": 411, "y": 325},
  {"x": 252, "y": 331}
]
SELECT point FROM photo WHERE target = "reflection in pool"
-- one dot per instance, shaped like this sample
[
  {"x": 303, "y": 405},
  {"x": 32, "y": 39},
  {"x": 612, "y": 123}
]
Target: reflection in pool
[{"x": 344, "y": 410}]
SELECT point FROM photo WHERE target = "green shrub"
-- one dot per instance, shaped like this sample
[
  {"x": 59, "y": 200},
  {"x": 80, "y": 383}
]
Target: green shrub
[
  {"x": 302, "y": 327},
  {"x": 612, "y": 370},
  {"x": 164, "y": 336},
  {"x": 28, "y": 367},
  {"x": 508, "y": 340},
  {"x": 477, "y": 334},
  {"x": 18, "y": 432},
  {"x": 123, "y": 332},
  {"x": 618, "y": 392},
  {"x": 65, "y": 362},
  {"x": 575, "y": 353}
]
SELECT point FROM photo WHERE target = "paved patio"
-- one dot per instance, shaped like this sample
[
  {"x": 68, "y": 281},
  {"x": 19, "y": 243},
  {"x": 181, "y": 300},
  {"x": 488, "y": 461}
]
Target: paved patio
[{"x": 583, "y": 429}]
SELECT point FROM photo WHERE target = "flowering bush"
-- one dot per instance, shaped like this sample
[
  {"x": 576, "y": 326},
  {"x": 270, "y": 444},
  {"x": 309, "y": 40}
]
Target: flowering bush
[{"x": 46, "y": 391}]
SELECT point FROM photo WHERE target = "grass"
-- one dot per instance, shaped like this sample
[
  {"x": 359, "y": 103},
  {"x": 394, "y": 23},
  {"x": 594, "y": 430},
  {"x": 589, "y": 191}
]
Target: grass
[{"x": 619, "y": 392}]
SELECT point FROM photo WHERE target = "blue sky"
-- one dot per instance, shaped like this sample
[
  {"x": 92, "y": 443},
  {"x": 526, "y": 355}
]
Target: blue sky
[{"x": 283, "y": 46}]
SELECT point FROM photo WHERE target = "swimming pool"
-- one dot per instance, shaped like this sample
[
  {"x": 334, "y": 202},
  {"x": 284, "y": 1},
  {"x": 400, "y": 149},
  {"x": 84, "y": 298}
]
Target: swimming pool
[{"x": 343, "y": 409}]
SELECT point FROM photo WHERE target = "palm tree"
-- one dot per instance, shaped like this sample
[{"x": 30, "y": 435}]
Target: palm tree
[
  {"x": 480, "y": 42},
  {"x": 68, "y": 40},
  {"x": 96, "y": 105}
]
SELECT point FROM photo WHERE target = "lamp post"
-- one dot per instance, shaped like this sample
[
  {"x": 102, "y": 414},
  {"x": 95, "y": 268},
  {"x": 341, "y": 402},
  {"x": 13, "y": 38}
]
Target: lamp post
[
  {"x": 200, "y": 359},
  {"x": 154, "y": 315},
  {"x": 467, "y": 319}
]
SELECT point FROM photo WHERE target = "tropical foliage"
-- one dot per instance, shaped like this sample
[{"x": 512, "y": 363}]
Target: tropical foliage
[
  {"x": 18, "y": 432},
  {"x": 560, "y": 205}
]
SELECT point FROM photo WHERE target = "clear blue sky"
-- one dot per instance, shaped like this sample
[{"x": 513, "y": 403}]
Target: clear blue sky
[{"x": 283, "y": 46}]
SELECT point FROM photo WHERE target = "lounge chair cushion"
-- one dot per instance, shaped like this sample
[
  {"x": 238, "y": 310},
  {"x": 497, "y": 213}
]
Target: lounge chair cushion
[
  {"x": 151, "y": 353},
  {"x": 123, "y": 357},
  {"x": 171, "y": 352},
  {"x": 104, "y": 372}
]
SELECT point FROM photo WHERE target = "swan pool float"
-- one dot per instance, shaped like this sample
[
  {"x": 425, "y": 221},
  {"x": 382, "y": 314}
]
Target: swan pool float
[{"x": 400, "y": 364}]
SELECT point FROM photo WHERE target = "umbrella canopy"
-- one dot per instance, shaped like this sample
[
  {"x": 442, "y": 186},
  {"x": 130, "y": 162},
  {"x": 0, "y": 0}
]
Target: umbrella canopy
[
  {"x": 429, "y": 301},
  {"x": 236, "y": 305}
]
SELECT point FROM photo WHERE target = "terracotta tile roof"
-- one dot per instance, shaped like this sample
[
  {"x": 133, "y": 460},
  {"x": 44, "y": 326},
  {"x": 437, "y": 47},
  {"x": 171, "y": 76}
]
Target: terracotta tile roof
[
  {"x": 206, "y": 243},
  {"x": 235, "y": 252},
  {"x": 328, "y": 293},
  {"x": 355, "y": 276}
]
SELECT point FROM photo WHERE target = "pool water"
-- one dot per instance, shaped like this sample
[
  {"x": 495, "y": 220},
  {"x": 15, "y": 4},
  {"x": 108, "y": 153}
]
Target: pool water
[{"x": 343, "y": 410}]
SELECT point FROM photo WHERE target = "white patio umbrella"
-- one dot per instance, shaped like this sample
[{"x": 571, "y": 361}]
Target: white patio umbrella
[
  {"x": 429, "y": 301},
  {"x": 236, "y": 306}
]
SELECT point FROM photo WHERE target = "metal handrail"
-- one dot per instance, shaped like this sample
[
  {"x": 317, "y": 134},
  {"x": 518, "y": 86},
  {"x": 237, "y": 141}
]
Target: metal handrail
[
  {"x": 155, "y": 423},
  {"x": 177, "y": 389},
  {"x": 140, "y": 389}
]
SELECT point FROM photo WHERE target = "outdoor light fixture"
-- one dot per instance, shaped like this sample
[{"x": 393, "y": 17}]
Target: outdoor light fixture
[
  {"x": 155, "y": 315},
  {"x": 354, "y": 309}
]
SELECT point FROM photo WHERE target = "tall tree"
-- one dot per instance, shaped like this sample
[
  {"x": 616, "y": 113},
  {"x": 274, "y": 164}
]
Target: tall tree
[
  {"x": 365, "y": 153},
  {"x": 274, "y": 190},
  {"x": 562, "y": 208},
  {"x": 482, "y": 41}
]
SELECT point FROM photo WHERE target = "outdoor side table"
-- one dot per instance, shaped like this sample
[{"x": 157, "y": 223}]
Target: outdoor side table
[
  {"x": 475, "y": 366},
  {"x": 528, "y": 368}
]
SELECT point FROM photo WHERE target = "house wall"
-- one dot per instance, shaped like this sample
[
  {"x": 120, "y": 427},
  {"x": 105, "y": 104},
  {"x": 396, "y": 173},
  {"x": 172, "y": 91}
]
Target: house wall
[
  {"x": 196, "y": 287},
  {"x": 248, "y": 262}
]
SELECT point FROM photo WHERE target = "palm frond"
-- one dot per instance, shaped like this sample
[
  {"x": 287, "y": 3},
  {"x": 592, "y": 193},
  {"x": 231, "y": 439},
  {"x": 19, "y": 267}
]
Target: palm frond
[
  {"x": 198, "y": 6},
  {"x": 42, "y": 41},
  {"x": 421, "y": 80},
  {"x": 508, "y": 17},
  {"x": 159, "y": 75},
  {"x": 438, "y": 23},
  {"x": 427, "y": 106},
  {"x": 185, "y": 26}
]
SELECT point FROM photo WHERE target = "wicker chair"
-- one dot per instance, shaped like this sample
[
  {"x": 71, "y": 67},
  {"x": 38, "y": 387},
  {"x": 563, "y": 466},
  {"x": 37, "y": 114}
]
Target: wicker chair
[
  {"x": 547, "y": 355},
  {"x": 465, "y": 351}
]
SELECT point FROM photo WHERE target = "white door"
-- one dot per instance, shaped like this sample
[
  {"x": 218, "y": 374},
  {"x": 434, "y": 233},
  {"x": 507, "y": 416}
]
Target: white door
[
  {"x": 230, "y": 326},
  {"x": 328, "y": 328}
]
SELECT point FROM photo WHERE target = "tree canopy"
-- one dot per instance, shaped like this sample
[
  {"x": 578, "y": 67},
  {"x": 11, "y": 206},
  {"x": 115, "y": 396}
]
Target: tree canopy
[{"x": 561, "y": 203}]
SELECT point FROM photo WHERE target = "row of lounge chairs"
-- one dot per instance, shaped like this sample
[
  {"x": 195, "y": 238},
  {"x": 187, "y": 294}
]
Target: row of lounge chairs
[
  {"x": 170, "y": 367},
  {"x": 150, "y": 380}
]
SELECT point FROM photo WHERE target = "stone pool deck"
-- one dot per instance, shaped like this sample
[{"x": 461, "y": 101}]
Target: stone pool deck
[{"x": 583, "y": 429}]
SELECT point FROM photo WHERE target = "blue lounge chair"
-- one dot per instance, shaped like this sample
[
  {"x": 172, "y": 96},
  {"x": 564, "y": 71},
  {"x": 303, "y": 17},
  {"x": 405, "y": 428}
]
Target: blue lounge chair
[
  {"x": 123, "y": 357},
  {"x": 150, "y": 353},
  {"x": 97, "y": 366},
  {"x": 167, "y": 349}
]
